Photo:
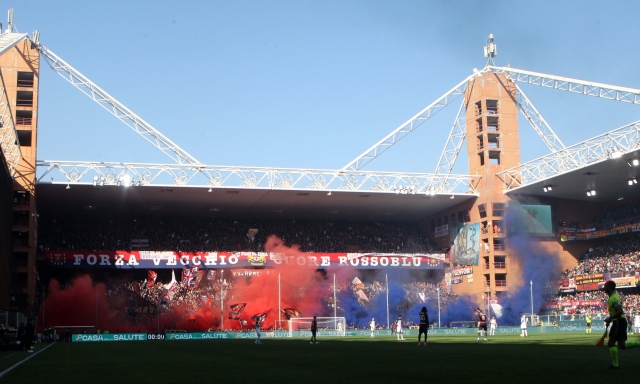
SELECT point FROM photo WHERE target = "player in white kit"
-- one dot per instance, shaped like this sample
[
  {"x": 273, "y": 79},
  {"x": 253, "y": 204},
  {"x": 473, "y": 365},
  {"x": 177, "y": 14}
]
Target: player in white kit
[
  {"x": 493, "y": 324},
  {"x": 398, "y": 325},
  {"x": 523, "y": 325},
  {"x": 636, "y": 324},
  {"x": 372, "y": 325}
]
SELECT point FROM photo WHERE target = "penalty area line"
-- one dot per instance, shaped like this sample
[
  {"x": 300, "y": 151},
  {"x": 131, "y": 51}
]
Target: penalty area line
[{"x": 23, "y": 360}]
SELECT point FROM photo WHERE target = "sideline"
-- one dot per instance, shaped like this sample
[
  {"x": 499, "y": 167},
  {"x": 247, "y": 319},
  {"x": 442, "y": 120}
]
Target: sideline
[{"x": 20, "y": 362}]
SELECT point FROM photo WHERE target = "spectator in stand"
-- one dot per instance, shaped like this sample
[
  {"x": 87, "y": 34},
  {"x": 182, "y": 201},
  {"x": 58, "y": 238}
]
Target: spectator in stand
[{"x": 204, "y": 234}]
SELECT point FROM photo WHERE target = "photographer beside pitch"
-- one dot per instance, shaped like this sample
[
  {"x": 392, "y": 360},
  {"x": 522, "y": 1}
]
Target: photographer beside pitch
[{"x": 618, "y": 321}]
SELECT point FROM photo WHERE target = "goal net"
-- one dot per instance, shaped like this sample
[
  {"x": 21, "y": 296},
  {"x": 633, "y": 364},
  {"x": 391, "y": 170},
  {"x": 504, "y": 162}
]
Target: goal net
[{"x": 327, "y": 326}]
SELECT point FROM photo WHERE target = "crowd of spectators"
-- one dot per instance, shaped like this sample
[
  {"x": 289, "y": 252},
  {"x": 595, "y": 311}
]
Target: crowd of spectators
[
  {"x": 619, "y": 215},
  {"x": 206, "y": 234},
  {"x": 571, "y": 304},
  {"x": 616, "y": 257},
  {"x": 619, "y": 257},
  {"x": 138, "y": 303}
]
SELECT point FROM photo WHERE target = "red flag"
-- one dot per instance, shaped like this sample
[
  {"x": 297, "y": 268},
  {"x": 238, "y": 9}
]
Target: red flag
[
  {"x": 290, "y": 312},
  {"x": 189, "y": 275},
  {"x": 151, "y": 278},
  {"x": 236, "y": 310},
  {"x": 260, "y": 317}
]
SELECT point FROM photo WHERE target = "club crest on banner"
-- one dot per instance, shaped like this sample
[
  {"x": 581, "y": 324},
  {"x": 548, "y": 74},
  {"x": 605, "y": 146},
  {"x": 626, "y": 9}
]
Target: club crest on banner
[{"x": 257, "y": 260}]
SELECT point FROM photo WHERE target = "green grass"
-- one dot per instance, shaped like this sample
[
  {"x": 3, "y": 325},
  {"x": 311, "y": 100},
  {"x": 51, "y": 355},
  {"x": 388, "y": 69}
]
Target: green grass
[{"x": 538, "y": 359}]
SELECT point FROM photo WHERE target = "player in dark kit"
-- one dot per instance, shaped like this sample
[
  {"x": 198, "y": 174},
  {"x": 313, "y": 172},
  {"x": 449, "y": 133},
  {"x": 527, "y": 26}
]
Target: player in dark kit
[
  {"x": 482, "y": 324},
  {"x": 424, "y": 325},
  {"x": 314, "y": 329}
]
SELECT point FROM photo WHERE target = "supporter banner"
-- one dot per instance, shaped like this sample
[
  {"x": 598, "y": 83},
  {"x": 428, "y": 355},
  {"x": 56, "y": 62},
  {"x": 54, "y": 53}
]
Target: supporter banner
[
  {"x": 572, "y": 303},
  {"x": 466, "y": 245},
  {"x": 140, "y": 243},
  {"x": 588, "y": 283},
  {"x": 622, "y": 282},
  {"x": 79, "y": 338},
  {"x": 213, "y": 260},
  {"x": 460, "y": 271},
  {"x": 248, "y": 272},
  {"x": 442, "y": 230},
  {"x": 573, "y": 234},
  {"x": 567, "y": 285},
  {"x": 456, "y": 279}
]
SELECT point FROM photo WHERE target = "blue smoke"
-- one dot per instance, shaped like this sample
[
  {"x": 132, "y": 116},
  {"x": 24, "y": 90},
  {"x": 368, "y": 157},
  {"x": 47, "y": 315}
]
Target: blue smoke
[
  {"x": 354, "y": 313},
  {"x": 538, "y": 266}
]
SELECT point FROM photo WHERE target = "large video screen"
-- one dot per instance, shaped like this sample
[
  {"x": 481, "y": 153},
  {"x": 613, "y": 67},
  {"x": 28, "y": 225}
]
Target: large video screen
[{"x": 529, "y": 219}]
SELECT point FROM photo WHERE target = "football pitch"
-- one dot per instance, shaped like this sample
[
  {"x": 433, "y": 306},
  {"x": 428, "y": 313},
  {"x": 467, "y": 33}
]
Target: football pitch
[{"x": 540, "y": 358}]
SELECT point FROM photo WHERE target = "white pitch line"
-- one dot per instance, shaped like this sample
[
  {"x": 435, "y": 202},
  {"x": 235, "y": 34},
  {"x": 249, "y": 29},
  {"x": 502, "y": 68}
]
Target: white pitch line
[{"x": 20, "y": 362}]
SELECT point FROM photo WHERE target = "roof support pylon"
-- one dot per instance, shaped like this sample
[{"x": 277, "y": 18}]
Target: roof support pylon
[{"x": 108, "y": 102}]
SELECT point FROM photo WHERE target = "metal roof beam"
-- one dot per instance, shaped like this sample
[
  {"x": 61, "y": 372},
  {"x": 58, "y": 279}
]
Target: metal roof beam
[
  {"x": 589, "y": 88},
  {"x": 209, "y": 176},
  {"x": 108, "y": 102},
  {"x": 9, "y": 142},
  {"x": 410, "y": 125},
  {"x": 610, "y": 145}
]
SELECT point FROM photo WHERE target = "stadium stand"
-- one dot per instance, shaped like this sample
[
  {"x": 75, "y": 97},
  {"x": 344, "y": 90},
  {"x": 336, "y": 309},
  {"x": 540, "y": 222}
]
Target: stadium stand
[{"x": 203, "y": 234}]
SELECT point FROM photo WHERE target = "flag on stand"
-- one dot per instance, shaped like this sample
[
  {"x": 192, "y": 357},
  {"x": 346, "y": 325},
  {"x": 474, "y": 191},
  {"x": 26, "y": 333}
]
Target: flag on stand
[
  {"x": 151, "y": 278},
  {"x": 211, "y": 274},
  {"x": 235, "y": 310},
  {"x": 166, "y": 296},
  {"x": 422, "y": 297},
  {"x": 251, "y": 233},
  {"x": 357, "y": 282},
  {"x": 362, "y": 295},
  {"x": 260, "y": 317},
  {"x": 189, "y": 276},
  {"x": 290, "y": 312},
  {"x": 139, "y": 243}
]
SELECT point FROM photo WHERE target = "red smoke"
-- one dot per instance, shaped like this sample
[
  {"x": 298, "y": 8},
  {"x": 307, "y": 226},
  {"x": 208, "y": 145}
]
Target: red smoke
[{"x": 302, "y": 288}]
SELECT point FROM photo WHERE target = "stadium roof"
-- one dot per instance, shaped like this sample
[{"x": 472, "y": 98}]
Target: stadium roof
[
  {"x": 240, "y": 203},
  {"x": 609, "y": 178}
]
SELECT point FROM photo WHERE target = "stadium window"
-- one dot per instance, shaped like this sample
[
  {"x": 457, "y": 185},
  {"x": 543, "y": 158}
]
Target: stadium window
[
  {"x": 492, "y": 124},
  {"x": 439, "y": 221},
  {"x": 498, "y": 209},
  {"x": 481, "y": 155},
  {"x": 492, "y": 107},
  {"x": 467, "y": 216},
  {"x": 453, "y": 218},
  {"x": 494, "y": 157},
  {"x": 24, "y": 137},
  {"x": 23, "y": 117},
  {"x": 24, "y": 99},
  {"x": 433, "y": 225},
  {"x": 478, "y": 108},
  {"x": 482, "y": 210},
  {"x": 460, "y": 216},
  {"x": 445, "y": 220},
  {"x": 25, "y": 79}
]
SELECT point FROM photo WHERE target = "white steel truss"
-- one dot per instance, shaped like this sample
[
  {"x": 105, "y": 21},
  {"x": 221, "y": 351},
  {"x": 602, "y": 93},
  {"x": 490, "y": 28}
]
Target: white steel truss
[
  {"x": 589, "y": 88},
  {"x": 538, "y": 122},
  {"x": 9, "y": 142},
  {"x": 208, "y": 176},
  {"x": 409, "y": 126},
  {"x": 607, "y": 146},
  {"x": 454, "y": 143},
  {"x": 116, "y": 108}
]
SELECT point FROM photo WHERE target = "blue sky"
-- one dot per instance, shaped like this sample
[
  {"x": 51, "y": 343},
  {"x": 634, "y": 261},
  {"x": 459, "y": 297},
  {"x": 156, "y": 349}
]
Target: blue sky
[{"x": 312, "y": 84}]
